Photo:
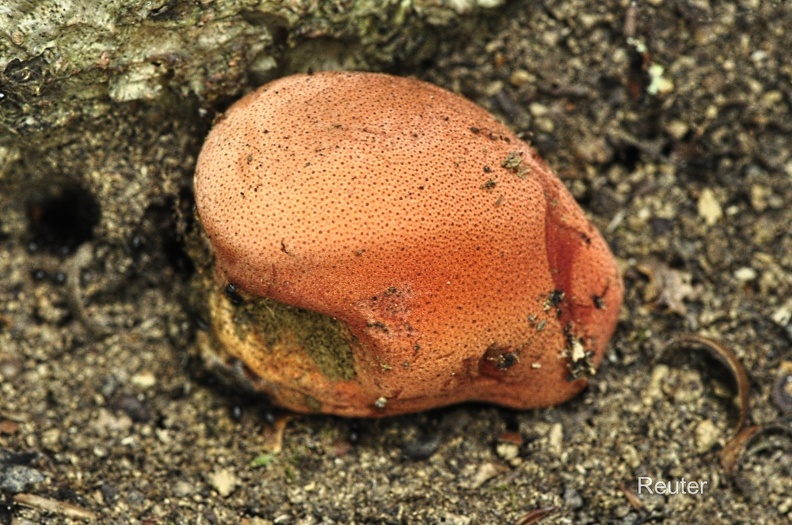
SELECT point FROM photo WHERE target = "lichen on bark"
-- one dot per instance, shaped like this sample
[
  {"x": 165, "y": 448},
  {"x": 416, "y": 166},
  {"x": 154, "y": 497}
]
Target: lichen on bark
[{"x": 116, "y": 96}]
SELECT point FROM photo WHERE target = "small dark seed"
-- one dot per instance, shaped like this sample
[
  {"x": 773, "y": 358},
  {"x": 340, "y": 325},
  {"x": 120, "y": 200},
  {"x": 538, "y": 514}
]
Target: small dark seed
[
  {"x": 599, "y": 303},
  {"x": 233, "y": 295}
]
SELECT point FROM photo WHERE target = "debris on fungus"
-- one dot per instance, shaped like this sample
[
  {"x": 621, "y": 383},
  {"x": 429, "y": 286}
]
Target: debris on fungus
[{"x": 357, "y": 268}]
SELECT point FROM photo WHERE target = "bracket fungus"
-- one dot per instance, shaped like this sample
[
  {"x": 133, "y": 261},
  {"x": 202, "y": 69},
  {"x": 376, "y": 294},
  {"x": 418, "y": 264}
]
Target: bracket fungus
[{"x": 378, "y": 245}]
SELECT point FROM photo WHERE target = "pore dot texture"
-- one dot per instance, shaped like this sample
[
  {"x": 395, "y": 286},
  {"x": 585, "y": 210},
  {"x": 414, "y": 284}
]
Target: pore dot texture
[{"x": 430, "y": 231}]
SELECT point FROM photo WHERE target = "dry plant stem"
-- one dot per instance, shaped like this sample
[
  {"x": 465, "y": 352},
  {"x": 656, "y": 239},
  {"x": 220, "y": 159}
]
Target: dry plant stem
[
  {"x": 80, "y": 260},
  {"x": 17, "y": 417},
  {"x": 736, "y": 444},
  {"x": 273, "y": 436},
  {"x": 726, "y": 357},
  {"x": 632, "y": 499},
  {"x": 739, "y": 443},
  {"x": 734, "y": 448},
  {"x": 56, "y": 507},
  {"x": 535, "y": 516}
]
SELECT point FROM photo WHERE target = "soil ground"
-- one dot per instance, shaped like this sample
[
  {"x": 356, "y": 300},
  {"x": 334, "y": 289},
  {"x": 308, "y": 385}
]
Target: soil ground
[{"x": 671, "y": 124}]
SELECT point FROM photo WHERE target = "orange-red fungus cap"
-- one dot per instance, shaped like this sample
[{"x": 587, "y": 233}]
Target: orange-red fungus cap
[{"x": 447, "y": 261}]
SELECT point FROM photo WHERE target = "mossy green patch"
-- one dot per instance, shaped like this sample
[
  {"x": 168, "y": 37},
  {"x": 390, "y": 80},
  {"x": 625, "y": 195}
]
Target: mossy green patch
[{"x": 324, "y": 339}]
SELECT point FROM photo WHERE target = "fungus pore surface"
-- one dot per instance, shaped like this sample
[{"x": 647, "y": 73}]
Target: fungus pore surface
[{"x": 384, "y": 246}]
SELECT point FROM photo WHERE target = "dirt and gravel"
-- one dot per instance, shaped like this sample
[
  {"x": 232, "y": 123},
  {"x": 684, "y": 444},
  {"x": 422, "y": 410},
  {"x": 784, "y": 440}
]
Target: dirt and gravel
[{"x": 670, "y": 121}]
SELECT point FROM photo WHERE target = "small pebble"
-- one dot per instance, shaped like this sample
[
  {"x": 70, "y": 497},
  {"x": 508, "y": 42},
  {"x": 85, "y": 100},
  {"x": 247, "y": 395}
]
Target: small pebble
[
  {"x": 709, "y": 208},
  {"x": 707, "y": 435},
  {"x": 423, "y": 446},
  {"x": 629, "y": 454},
  {"x": 759, "y": 197},
  {"x": 556, "y": 438},
  {"x": 17, "y": 478},
  {"x": 572, "y": 498},
  {"x": 677, "y": 129},
  {"x": 520, "y": 77},
  {"x": 109, "y": 493},
  {"x": 508, "y": 447},
  {"x": 783, "y": 315},
  {"x": 144, "y": 379},
  {"x": 182, "y": 489},
  {"x": 224, "y": 482},
  {"x": 745, "y": 274},
  {"x": 10, "y": 367},
  {"x": 507, "y": 451},
  {"x": 131, "y": 406},
  {"x": 485, "y": 472}
]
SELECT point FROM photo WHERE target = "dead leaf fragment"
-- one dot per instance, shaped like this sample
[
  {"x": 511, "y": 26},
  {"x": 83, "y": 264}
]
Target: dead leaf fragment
[
  {"x": 60, "y": 508},
  {"x": 667, "y": 287},
  {"x": 8, "y": 427},
  {"x": 535, "y": 516}
]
